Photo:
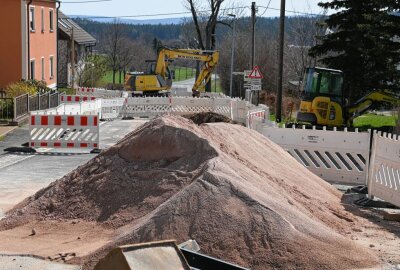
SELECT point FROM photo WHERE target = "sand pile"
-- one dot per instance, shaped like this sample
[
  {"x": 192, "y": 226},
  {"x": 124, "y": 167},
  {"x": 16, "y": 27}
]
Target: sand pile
[{"x": 240, "y": 196}]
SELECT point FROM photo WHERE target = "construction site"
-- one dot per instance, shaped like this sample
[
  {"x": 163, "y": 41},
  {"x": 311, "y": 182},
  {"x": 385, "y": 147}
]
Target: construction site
[
  {"x": 192, "y": 177},
  {"x": 258, "y": 162}
]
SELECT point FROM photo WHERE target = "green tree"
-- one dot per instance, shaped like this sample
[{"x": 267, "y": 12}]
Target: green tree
[
  {"x": 91, "y": 73},
  {"x": 362, "y": 43}
]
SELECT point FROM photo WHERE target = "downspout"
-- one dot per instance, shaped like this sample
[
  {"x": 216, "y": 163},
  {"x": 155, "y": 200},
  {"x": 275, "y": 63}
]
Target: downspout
[
  {"x": 58, "y": 8},
  {"x": 29, "y": 39}
]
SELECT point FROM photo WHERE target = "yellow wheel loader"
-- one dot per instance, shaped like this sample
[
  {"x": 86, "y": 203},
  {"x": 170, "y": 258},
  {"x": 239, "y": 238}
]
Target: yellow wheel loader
[
  {"x": 323, "y": 102},
  {"x": 158, "y": 80}
]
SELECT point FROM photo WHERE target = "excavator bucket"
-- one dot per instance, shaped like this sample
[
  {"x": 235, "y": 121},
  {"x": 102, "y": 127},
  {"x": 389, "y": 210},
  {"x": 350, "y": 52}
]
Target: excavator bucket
[{"x": 163, "y": 255}]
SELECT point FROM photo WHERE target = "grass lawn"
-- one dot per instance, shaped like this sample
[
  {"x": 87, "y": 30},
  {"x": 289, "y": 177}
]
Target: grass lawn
[
  {"x": 365, "y": 121},
  {"x": 108, "y": 78},
  {"x": 374, "y": 121},
  {"x": 183, "y": 73}
]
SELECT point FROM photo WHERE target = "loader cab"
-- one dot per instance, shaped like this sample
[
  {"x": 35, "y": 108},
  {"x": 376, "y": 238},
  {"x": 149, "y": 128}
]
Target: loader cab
[{"x": 323, "y": 82}]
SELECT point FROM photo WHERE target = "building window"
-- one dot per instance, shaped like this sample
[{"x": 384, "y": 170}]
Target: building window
[
  {"x": 32, "y": 19},
  {"x": 42, "y": 20},
  {"x": 32, "y": 70},
  {"x": 51, "y": 20},
  {"x": 43, "y": 69},
  {"x": 51, "y": 67}
]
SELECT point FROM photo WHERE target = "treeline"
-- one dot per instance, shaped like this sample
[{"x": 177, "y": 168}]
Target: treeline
[
  {"x": 168, "y": 32},
  {"x": 143, "y": 31}
]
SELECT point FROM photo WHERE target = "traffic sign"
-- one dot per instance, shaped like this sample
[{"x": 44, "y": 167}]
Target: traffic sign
[
  {"x": 255, "y": 73},
  {"x": 256, "y": 87}
]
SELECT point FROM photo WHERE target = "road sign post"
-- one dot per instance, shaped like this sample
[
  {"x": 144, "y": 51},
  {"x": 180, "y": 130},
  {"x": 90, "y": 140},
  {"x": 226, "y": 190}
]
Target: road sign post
[{"x": 252, "y": 81}]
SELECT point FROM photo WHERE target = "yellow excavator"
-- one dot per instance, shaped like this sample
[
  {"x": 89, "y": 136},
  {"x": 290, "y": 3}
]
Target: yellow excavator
[
  {"x": 158, "y": 81},
  {"x": 323, "y": 102}
]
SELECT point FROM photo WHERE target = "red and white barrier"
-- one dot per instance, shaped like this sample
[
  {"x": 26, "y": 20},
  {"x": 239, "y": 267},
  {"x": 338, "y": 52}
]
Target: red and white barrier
[
  {"x": 64, "y": 131},
  {"x": 99, "y": 92},
  {"x": 70, "y": 98},
  {"x": 84, "y": 90},
  {"x": 255, "y": 114}
]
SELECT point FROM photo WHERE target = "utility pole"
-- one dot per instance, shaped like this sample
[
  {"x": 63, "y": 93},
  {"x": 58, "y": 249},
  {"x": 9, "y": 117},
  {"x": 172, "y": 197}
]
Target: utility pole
[
  {"x": 280, "y": 70},
  {"x": 232, "y": 55},
  {"x": 253, "y": 34},
  {"x": 72, "y": 57}
]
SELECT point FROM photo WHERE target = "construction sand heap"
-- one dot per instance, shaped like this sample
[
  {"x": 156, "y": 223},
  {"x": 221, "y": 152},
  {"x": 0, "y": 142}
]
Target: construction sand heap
[{"x": 243, "y": 198}]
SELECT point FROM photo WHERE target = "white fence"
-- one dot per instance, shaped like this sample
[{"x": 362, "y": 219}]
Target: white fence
[
  {"x": 64, "y": 131},
  {"x": 384, "y": 174}
]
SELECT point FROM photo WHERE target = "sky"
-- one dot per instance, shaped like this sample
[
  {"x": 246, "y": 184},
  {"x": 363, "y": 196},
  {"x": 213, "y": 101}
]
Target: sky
[{"x": 147, "y": 7}]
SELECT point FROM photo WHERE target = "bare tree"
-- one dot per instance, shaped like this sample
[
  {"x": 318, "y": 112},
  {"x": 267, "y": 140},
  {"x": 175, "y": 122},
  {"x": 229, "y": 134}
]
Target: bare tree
[
  {"x": 125, "y": 57},
  {"x": 112, "y": 46},
  {"x": 205, "y": 38},
  {"x": 303, "y": 33}
]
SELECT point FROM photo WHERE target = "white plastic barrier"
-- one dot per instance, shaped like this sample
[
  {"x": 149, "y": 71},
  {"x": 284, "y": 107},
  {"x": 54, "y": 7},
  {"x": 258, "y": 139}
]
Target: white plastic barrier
[
  {"x": 111, "y": 108},
  {"x": 84, "y": 108},
  {"x": 146, "y": 106},
  {"x": 98, "y": 92},
  {"x": 153, "y": 106},
  {"x": 261, "y": 112},
  {"x": 187, "y": 105},
  {"x": 335, "y": 156},
  {"x": 64, "y": 131},
  {"x": 239, "y": 110},
  {"x": 384, "y": 173}
]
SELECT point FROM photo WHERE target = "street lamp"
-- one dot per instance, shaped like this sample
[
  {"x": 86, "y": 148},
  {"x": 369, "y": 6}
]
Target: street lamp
[{"x": 233, "y": 54}]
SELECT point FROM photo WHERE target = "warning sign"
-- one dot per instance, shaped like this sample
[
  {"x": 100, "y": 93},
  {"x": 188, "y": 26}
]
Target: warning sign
[{"x": 255, "y": 73}]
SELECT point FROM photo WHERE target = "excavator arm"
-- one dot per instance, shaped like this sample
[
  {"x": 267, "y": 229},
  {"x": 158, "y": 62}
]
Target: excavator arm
[
  {"x": 370, "y": 101},
  {"x": 210, "y": 59}
]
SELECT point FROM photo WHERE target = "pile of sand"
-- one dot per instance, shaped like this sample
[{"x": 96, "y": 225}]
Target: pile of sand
[{"x": 243, "y": 198}]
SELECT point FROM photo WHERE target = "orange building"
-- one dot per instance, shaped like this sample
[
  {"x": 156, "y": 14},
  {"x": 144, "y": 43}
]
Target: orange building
[{"x": 28, "y": 41}]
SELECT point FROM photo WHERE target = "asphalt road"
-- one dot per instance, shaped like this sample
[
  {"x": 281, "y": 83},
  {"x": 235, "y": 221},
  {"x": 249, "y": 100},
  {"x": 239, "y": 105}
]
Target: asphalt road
[{"x": 21, "y": 175}]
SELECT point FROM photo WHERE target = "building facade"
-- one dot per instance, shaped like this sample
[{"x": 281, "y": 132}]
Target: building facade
[
  {"x": 29, "y": 48},
  {"x": 70, "y": 32}
]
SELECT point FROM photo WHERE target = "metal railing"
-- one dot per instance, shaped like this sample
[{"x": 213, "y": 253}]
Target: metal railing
[
  {"x": 6, "y": 109},
  {"x": 22, "y": 105}
]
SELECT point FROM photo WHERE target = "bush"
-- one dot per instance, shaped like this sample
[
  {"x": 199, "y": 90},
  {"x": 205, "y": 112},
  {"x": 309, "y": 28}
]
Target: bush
[{"x": 31, "y": 87}]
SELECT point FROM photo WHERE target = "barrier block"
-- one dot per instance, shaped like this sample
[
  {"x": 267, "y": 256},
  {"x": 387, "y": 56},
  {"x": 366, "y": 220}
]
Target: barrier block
[{"x": 64, "y": 131}]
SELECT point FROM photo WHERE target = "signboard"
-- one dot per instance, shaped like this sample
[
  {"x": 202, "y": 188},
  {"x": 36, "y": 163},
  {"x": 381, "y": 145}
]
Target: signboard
[
  {"x": 255, "y": 73},
  {"x": 252, "y": 79}
]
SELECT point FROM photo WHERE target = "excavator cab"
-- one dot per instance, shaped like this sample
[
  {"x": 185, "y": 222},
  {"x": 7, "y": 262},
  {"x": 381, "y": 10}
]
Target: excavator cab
[{"x": 322, "y": 97}]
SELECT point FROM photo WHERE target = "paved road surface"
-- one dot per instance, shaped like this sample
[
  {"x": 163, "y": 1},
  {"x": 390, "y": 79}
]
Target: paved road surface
[{"x": 21, "y": 175}]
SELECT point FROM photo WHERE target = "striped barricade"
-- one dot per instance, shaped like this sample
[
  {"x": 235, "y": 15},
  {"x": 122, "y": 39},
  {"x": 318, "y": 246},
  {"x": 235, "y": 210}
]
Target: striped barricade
[
  {"x": 384, "y": 171},
  {"x": 64, "y": 131},
  {"x": 75, "y": 98},
  {"x": 84, "y": 91}
]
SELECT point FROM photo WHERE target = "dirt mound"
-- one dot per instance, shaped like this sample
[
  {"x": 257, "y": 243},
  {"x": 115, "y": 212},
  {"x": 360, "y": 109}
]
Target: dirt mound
[
  {"x": 208, "y": 117},
  {"x": 243, "y": 198}
]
